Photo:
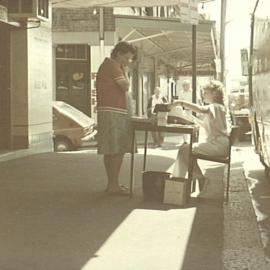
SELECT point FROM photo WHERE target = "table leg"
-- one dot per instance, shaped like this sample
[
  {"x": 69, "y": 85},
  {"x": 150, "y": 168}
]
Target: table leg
[
  {"x": 132, "y": 165},
  {"x": 190, "y": 164},
  {"x": 145, "y": 149}
]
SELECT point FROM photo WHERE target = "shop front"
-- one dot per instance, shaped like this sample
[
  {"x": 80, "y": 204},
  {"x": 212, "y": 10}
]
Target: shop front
[
  {"x": 25, "y": 80},
  {"x": 72, "y": 75}
]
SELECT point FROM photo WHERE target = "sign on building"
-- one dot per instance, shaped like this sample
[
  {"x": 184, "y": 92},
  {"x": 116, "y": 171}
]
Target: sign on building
[
  {"x": 189, "y": 11},
  {"x": 244, "y": 62},
  {"x": 3, "y": 13}
]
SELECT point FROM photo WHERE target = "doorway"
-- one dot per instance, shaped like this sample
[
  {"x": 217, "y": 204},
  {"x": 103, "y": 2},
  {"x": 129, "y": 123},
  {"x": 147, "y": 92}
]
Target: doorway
[
  {"x": 5, "y": 121},
  {"x": 72, "y": 76}
]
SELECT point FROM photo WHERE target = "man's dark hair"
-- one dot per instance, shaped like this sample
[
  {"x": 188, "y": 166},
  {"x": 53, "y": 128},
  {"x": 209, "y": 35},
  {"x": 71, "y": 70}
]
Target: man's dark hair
[{"x": 123, "y": 47}]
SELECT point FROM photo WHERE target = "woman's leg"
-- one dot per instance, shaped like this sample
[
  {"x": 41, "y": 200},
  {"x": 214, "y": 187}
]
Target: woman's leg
[
  {"x": 181, "y": 164},
  {"x": 206, "y": 148},
  {"x": 156, "y": 138},
  {"x": 161, "y": 137},
  {"x": 113, "y": 165}
]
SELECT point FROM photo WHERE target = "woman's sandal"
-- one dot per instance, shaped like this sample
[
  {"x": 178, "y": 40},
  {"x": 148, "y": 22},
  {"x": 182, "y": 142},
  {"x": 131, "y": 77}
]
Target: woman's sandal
[{"x": 122, "y": 191}]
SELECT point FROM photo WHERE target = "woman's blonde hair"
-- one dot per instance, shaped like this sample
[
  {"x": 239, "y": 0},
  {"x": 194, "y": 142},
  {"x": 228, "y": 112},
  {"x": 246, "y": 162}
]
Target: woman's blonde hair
[{"x": 217, "y": 89}]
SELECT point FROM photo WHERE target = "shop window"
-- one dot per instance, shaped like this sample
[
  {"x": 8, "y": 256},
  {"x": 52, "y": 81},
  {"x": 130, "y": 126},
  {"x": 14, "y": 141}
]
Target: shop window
[
  {"x": 43, "y": 8},
  {"x": 28, "y": 8},
  {"x": 62, "y": 77},
  {"x": 60, "y": 52},
  {"x": 81, "y": 52},
  {"x": 70, "y": 76},
  {"x": 162, "y": 11},
  {"x": 69, "y": 51},
  {"x": 149, "y": 11},
  {"x": 78, "y": 81}
]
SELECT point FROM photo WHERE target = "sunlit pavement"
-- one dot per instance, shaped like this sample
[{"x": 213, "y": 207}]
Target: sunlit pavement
[{"x": 56, "y": 215}]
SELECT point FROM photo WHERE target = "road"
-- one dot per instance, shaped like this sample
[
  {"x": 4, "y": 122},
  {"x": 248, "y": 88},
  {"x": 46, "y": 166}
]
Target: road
[{"x": 259, "y": 188}]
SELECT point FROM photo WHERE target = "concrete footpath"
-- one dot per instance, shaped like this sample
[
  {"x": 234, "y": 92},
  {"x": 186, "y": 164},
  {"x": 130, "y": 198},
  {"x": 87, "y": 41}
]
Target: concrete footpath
[{"x": 55, "y": 215}]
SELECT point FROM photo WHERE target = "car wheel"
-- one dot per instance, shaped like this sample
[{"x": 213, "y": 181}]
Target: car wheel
[
  {"x": 62, "y": 144},
  {"x": 267, "y": 173}
]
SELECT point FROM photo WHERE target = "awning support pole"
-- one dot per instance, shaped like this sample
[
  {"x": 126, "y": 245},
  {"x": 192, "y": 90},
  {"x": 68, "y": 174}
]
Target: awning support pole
[
  {"x": 222, "y": 40},
  {"x": 156, "y": 80},
  {"x": 194, "y": 64}
]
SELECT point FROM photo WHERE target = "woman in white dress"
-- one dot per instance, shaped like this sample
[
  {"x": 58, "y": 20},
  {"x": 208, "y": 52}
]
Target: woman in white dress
[{"x": 216, "y": 141}]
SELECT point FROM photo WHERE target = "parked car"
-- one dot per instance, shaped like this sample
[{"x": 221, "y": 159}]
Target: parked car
[{"x": 71, "y": 127}]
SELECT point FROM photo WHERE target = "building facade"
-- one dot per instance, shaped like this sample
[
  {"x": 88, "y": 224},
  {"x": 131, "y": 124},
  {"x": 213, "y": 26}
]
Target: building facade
[
  {"x": 26, "y": 78},
  {"x": 54, "y": 54}
]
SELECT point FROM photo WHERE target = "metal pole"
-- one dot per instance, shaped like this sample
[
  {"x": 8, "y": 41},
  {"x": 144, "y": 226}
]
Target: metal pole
[
  {"x": 222, "y": 39},
  {"x": 156, "y": 83},
  {"x": 194, "y": 63},
  {"x": 250, "y": 63},
  {"x": 101, "y": 34},
  {"x": 250, "y": 66}
]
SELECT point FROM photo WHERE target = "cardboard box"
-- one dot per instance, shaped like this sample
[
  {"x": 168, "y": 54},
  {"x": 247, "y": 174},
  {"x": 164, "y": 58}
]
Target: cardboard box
[{"x": 176, "y": 191}]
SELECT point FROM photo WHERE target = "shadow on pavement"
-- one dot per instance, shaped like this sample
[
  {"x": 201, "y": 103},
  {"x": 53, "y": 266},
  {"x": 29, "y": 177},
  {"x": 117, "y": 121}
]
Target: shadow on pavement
[
  {"x": 55, "y": 215},
  {"x": 260, "y": 192},
  {"x": 54, "y": 211},
  {"x": 204, "y": 250}
]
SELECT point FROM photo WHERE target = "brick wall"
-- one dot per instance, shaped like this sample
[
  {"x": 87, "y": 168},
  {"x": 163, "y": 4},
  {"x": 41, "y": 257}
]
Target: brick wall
[{"x": 81, "y": 20}]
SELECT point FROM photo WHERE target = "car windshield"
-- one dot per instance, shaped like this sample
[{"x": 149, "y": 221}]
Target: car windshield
[{"x": 73, "y": 113}]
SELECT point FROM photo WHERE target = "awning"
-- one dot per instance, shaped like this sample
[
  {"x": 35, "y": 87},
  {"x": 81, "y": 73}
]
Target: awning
[
  {"x": 114, "y": 3},
  {"x": 167, "y": 40},
  {"x": 170, "y": 42}
]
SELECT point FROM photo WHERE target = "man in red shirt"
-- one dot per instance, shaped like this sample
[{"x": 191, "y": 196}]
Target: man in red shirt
[{"x": 112, "y": 113}]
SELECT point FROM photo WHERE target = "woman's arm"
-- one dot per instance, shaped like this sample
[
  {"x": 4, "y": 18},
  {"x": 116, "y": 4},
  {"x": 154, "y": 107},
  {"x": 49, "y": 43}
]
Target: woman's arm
[
  {"x": 122, "y": 79},
  {"x": 123, "y": 83},
  {"x": 191, "y": 106}
]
